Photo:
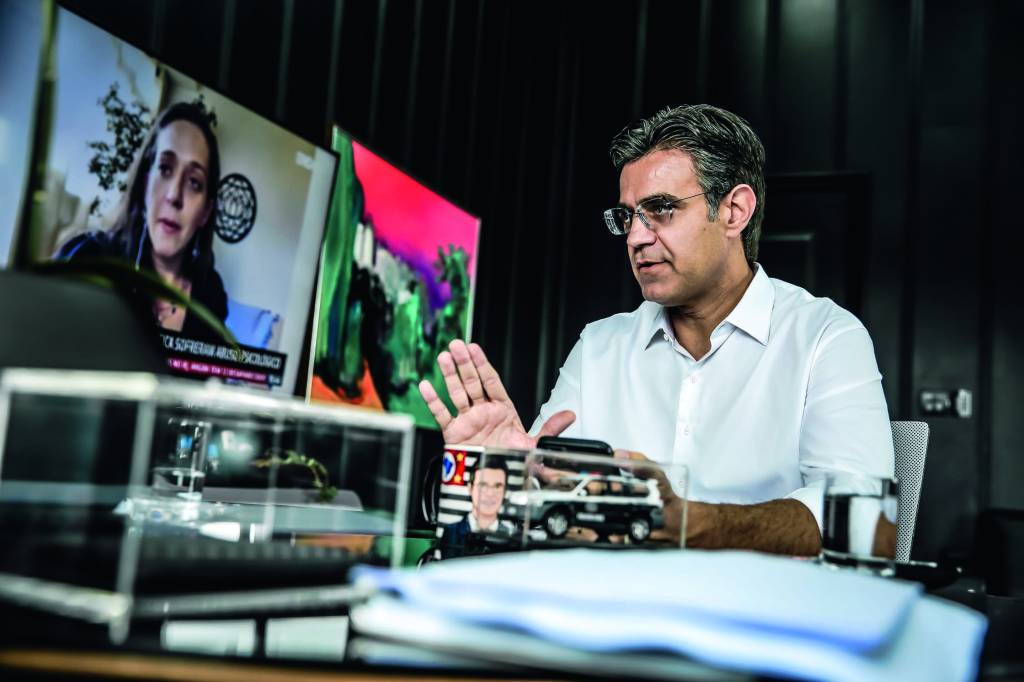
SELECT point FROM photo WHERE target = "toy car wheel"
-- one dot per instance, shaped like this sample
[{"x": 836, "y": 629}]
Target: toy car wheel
[
  {"x": 639, "y": 528},
  {"x": 556, "y": 523}
]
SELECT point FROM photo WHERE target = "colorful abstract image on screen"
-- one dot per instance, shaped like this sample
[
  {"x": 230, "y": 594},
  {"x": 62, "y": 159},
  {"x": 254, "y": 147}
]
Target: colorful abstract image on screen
[{"x": 397, "y": 277}]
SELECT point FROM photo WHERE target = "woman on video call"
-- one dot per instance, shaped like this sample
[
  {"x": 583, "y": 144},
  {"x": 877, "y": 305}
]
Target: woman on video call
[{"x": 165, "y": 219}]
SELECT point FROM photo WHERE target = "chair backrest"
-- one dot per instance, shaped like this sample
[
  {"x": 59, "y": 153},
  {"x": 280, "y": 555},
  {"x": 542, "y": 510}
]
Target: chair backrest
[{"x": 910, "y": 443}]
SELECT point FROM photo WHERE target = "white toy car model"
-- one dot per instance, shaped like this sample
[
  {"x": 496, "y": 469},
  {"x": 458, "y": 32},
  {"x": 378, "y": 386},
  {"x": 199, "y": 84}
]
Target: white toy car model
[{"x": 608, "y": 504}]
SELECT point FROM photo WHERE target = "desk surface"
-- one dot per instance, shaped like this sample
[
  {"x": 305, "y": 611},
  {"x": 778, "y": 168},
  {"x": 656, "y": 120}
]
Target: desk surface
[
  {"x": 40, "y": 651},
  {"x": 117, "y": 665}
]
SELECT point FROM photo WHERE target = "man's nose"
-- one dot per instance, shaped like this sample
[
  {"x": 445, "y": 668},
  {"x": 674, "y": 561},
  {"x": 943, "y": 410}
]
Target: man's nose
[{"x": 639, "y": 234}]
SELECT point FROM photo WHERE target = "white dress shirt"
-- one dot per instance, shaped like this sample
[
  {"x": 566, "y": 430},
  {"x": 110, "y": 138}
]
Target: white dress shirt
[
  {"x": 494, "y": 526},
  {"x": 474, "y": 525},
  {"x": 789, "y": 390}
]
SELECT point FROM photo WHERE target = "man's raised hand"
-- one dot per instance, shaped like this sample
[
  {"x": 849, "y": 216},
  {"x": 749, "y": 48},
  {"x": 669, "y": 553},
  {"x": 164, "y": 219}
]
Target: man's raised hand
[{"x": 485, "y": 414}]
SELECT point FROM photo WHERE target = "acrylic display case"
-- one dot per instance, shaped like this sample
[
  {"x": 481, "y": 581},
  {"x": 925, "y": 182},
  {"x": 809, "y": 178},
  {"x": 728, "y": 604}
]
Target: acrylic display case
[{"x": 127, "y": 495}]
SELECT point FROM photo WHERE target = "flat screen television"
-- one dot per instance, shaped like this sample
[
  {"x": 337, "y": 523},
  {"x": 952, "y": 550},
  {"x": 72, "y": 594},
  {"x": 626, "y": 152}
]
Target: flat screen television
[
  {"x": 129, "y": 145},
  {"x": 398, "y": 272},
  {"x": 20, "y": 37}
]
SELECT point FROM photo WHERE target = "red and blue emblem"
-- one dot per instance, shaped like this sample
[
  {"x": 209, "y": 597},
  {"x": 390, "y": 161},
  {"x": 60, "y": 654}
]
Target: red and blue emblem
[{"x": 453, "y": 467}]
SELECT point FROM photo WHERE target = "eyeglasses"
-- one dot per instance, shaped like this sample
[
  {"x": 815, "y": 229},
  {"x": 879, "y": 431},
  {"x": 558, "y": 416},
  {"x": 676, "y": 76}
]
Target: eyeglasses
[{"x": 653, "y": 213}]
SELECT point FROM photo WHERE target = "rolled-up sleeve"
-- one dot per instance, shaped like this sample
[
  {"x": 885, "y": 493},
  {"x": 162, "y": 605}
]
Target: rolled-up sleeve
[{"x": 845, "y": 424}]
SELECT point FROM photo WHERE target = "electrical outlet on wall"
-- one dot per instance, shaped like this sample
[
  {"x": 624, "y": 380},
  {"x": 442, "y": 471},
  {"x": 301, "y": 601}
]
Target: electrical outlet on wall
[{"x": 944, "y": 403}]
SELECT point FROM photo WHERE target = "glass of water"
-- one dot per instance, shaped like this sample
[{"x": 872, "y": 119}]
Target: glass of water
[
  {"x": 859, "y": 522},
  {"x": 181, "y": 472}
]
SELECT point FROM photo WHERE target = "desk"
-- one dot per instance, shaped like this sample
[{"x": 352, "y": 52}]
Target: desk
[
  {"x": 115, "y": 665},
  {"x": 34, "y": 646},
  {"x": 1002, "y": 660}
]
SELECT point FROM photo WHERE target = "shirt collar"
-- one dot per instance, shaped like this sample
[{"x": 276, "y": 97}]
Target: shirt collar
[
  {"x": 753, "y": 314},
  {"x": 656, "y": 322},
  {"x": 474, "y": 526}
]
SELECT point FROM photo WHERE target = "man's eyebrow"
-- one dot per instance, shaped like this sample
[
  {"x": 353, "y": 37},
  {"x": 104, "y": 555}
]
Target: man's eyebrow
[{"x": 665, "y": 196}]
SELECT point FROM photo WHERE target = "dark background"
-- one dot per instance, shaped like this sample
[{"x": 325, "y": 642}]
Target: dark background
[{"x": 891, "y": 129}]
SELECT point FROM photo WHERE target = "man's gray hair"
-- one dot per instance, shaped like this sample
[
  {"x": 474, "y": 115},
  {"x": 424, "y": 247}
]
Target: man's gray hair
[{"x": 724, "y": 149}]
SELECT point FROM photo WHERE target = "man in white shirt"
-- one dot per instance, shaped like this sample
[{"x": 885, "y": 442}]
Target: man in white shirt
[{"x": 755, "y": 385}]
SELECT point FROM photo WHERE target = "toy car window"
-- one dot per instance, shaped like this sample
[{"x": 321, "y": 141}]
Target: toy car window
[{"x": 636, "y": 490}]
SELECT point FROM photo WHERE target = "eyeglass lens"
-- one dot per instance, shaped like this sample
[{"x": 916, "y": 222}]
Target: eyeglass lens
[{"x": 654, "y": 214}]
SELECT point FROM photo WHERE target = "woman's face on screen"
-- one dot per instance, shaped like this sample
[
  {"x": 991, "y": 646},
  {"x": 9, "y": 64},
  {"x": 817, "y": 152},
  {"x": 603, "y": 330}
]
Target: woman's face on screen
[{"x": 177, "y": 189}]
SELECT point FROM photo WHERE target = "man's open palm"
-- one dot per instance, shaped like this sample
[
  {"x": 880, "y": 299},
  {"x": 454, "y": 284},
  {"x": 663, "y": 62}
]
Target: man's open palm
[{"x": 485, "y": 414}]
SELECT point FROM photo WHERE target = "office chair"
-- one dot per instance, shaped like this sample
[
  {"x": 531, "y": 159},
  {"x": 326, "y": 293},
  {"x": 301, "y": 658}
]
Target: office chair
[{"x": 910, "y": 443}]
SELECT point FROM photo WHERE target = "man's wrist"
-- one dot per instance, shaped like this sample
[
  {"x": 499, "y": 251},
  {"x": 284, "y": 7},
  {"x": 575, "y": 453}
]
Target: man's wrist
[{"x": 701, "y": 522}]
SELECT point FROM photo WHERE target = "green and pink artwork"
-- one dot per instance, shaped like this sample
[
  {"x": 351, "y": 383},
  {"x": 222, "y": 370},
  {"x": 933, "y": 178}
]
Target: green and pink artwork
[{"x": 397, "y": 276}]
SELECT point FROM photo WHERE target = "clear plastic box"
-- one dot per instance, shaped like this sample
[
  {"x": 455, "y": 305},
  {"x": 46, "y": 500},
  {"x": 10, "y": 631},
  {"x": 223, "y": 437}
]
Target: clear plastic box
[{"x": 128, "y": 495}]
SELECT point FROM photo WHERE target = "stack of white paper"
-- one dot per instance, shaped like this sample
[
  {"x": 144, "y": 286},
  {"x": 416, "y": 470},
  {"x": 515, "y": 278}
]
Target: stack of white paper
[{"x": 738, "y": 611}]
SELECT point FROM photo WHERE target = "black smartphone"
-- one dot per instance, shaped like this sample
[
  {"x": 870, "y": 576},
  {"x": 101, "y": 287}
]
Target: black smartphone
[{"x": 559, "y": 444}]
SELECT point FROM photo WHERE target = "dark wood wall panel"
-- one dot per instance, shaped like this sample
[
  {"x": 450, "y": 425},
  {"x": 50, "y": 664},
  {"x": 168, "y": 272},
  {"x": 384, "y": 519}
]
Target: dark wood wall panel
[
  {"x": 255, "y": 54},
  {"x": 1002, "y": 434},
  {"x": 308, "y": 67},
  {"x": 876, "y": 133},
  {"x": 190, "y": 37},
  {"x": 737, "y": 57},
  {"x": 355, "y": 67},
  {"x": 946, "y": 312},
  {"x": 421, "y": 149},
  {"x": 673, "y": 62},
  {"x": 389, "y": 93},
  {"x": 804, "y": 108}
]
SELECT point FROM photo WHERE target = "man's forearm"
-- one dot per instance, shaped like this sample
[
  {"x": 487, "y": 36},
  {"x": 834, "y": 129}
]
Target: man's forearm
[{"x": 778, "y": 526}]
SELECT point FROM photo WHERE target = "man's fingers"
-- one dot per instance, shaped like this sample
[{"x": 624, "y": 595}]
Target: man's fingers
[
  {"x": 467, "y": 371},
  {"x": 658, "y": 474},
  {"x": 456, "y": 391},
  {"x": 558, "y": 422},
  {"x": 489, "y": 378},
  {"x": 631, "y": 454},
  {"x": 434, "y": 404}
]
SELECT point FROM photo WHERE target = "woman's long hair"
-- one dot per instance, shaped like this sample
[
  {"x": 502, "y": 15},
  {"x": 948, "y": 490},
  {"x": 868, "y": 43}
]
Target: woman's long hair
[{"x": 128, "y": 228}]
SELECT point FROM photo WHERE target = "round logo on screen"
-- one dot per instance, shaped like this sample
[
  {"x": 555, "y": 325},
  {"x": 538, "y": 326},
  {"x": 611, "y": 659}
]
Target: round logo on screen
[
  {"x": 448, "y": 467},
  {"x": 236, "y": 208}
]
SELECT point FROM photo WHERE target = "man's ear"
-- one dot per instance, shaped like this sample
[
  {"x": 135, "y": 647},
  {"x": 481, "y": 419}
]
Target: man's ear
[{"x": 739, "y": 205}]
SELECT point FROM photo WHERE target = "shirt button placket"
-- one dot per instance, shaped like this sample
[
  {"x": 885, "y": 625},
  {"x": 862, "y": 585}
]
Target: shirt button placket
[
  {"x": 684, "y": 416},
  {"x": 688, "y": 408}
]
